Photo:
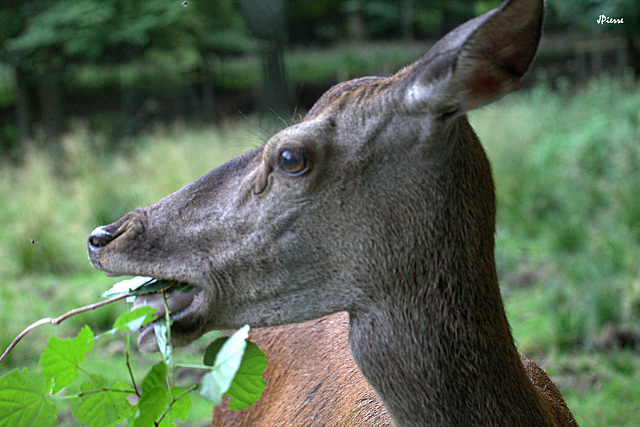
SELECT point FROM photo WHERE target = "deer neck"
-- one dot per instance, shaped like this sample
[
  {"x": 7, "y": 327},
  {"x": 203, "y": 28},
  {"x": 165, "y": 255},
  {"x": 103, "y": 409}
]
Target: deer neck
[
  {"x": 453, "y": 365},
  {"x": 436, "y": 345}
]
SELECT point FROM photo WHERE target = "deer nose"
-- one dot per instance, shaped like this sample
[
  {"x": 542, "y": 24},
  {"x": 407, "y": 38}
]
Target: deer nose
[{"x": 100, "y": 237}]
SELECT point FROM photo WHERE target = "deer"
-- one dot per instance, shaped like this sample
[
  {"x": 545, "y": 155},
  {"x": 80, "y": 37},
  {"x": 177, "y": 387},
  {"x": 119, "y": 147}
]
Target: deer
[{"x": 360, "y": 242}]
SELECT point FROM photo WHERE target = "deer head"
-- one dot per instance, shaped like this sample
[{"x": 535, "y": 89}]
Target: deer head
[
  {"x": 379, "y": 203},
  {"x": 328, "y": 212}
]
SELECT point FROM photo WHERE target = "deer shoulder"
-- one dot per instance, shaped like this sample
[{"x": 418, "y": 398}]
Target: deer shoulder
[
  {"x": 311, "y": 375},
  {"x": 311, "y": 380}
]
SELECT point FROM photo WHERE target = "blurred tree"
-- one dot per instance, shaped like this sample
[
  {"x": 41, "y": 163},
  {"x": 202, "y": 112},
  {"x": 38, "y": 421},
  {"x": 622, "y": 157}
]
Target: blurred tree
[
  {"x": 317, "y": 21},
  {"x": 160, "y": 38},
  {"x": 267, "y": 21},
  {"x": 13, "y": 18},
  {"x": 159, "y": 45},
  {"x": 329, "y": 20},
  {"x": 447, "y": 14},
  {"x": 585, "y": 14}
]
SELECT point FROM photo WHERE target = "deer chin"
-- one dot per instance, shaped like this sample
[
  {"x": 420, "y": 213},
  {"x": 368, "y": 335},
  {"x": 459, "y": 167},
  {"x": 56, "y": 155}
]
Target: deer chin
[{"x": 183, "y": 308}]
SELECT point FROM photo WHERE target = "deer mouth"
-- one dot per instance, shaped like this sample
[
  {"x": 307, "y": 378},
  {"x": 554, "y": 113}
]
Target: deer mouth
[{"x": 181, "y": 302}]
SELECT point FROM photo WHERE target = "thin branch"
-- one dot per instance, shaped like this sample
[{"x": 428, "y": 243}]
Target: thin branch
[
  {"x": 174, "y": 400},
  {"x": 194, "y": 366},
  {"x": 128, "y": 362},
  {"x": 57, "y": 320},
  {"x": 104, "y": 390},
  {"x": 87, "y": 393}
]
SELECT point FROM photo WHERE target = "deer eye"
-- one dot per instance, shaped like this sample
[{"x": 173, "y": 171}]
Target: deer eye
[{"x": 292, "y": 161}]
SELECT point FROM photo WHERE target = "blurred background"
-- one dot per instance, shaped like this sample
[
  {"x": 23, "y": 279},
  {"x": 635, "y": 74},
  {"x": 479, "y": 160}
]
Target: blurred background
[{"x": 106, "y": 105}]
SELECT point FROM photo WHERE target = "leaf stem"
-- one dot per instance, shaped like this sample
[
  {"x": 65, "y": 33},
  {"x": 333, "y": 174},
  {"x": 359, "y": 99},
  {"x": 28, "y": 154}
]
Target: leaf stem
[
  {"x": 104, "y": 390},
  {"x": 56, "y": 321},
  {"x": 194, "y": 366},
  {"x": 128, "y": 363},
  {"x": 167, "y": 319},
  {"x": 174, "y": 400},
  {"x": 86, "y": 393}
]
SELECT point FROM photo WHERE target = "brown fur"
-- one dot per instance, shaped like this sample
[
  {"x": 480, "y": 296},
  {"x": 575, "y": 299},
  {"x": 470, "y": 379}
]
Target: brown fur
[
  {"x": 311, "y": 377},
  {"x": 306, "y": 362}
]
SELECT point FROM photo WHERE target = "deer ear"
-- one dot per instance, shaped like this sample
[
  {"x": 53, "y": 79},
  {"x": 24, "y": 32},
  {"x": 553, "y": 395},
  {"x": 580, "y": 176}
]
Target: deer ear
[{"x": 481, "y": 60}]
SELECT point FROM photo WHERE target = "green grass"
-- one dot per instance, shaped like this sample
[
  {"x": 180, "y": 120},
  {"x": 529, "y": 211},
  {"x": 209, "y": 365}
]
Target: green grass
[
  {"x": 56, "y": 200},
  {"x": 600, "y": 386},
  {"x": 567, "y": 170},
  {"x": 50, "y": 204}
]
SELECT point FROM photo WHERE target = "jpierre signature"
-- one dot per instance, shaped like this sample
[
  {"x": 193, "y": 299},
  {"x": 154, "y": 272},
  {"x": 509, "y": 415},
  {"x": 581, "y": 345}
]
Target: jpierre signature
[{"x": 603, "y": 19}]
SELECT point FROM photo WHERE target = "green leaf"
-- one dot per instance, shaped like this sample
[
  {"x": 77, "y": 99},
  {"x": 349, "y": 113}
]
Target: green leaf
[
  {"x": 143, "y": 285},
  {"x": 156, "y": 378},
  {"x": 125, "y": 287},
  {"x": 154, "y": 398},
  {"x": 101, "y": 405},
  {"x": 247, "y": 385},
  {"x": 62, "y": 357},
  {"x": 24, "y": 400},
  {"x": 212, "y": 350},
  {"x": 161, "y": 285},
  {"x": 179, "y": 408},
  {"x": 227, "y": 362},
  {"x": 151, "y": 405},
  {"x": 210, "y": 389},
  {"x": 135, "y": 319}
]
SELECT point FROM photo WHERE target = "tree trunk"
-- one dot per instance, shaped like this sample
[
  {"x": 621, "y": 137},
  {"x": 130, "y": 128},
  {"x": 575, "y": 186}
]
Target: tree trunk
[
  {"x": 24, "y": 103},
  {"x": 406, "y": 19},
  {"x": 51, "y": 100},
  {"x": 633, "y": 55},
  {"x": 275, "y": 82},
  {"x": 267, "y": 21}
]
